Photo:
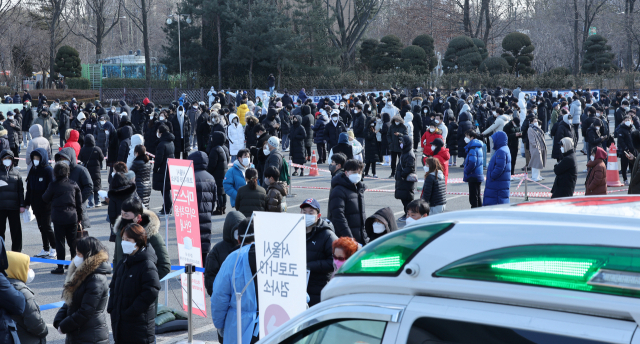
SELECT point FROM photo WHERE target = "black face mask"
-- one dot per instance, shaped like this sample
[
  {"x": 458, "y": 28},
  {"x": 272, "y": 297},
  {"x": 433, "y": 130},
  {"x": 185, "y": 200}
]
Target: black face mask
[{"x": 125, "y": 222}]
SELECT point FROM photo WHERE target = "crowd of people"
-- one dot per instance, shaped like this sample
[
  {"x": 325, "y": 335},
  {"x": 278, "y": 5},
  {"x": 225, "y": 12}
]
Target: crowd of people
[{"x": 239, "y": 148}]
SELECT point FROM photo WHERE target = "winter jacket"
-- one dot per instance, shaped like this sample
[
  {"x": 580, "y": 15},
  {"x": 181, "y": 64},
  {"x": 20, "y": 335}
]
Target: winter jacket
[
  {"x": 277, "y": 197},
  {"x": 242, "y": 112},
  {"x": 124, "y": 137},
  {"x": 595, "y": 138},
  {"x": 222, "y": 249},
  {"x": 235, "y": 134},
  {"x": 85, "y": 294},
  {"x": 164, "y": 150},
  {"x": 234, "y": 180},
  {"x": 193, "y": 113},
  {"x": 203, "y": 131},
  {"x": 218, "y": 159},
  {"x": 319, "y": 259},
  {"x": 136, "y": 139},
  {"x": 464, "y": 124},
  {"x": 343, "y": 146},
  {"x": 28, "y": 114},
  {"x": 181, "y": 142},
  {"x": 120, "y": 190},
  {"x": 347, "y": 208},
  {"x": 372, "y": 151},
  {"x": 566, "y": 174},
  {"x": 274, "y": 159},
  {"x": 133, "y": 291},
  {"x": 297, "y": 136},
  {"x": 426, "y": 140},
  {"x": 498, "y": 172},
  {"x": 13, "y": 302},
  {"x": 248, "y": 201},
  {"x": 434, "y": 189},
  {"x": 318, "y": 129},
  {"x": 576, "y": 111},
  {"x": 37, "y": 141},
  {"x": 443, "y": 155},
  {"x": 285, "y": 121},
  {"x": 596, "y": 182},
  {"x": 270, "y": 124},
  {"x": 332, "y": 133},
  {"x": 384, "y": 216},
  {"x": 66, "y": 201},
  {"x": 452, "y": 138},
  {"x": 392, "y": 138},
  {"x": 81, "y": 177},
  {"x": 142, "y": 171},
  {"x": 38, "y": 180},
  {"x": 359, "y": 125},
  {"x": 49, "y": 126},
  {"x": 207, "y": 196},
  {"x": 72, "y": 141},
  {"x": 561, "y": 131},
  {"x": 104, "y": 134},
  {"x": 623, "y": 134},
  {"x": 473, "y": 171},
  {"x": 92, "y": 158},
  {"x": 12, "y": 194},
  {"x": 406, "y": 166},
  {"x": 634, "y": 179},
  {"x": 537, "y": 148},
  {"x": 513, "y": 141},
  {"x": 308, "y": 121},
  {"x": 498, "y": 125}
]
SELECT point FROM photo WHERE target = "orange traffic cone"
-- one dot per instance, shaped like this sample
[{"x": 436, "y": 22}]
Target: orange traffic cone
[
  {"x": 314, "y": 165},
  {"x": 613, "y": 179}
]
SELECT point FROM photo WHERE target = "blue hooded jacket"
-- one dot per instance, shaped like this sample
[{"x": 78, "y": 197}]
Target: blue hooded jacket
[
  {"x": 343, "y": 138},
  {"x": 496, "y": 189},
  {"x": 473, "y": 162}
]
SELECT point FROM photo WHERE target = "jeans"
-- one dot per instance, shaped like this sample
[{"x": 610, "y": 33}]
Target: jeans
[
  {"x": 15, "y": 227},
  {"x": 44, "y": 225},
  {"x": 438, "y": 209},
  {"x": 576, "y": 134},
  {"x": 193, "y": 140},
  {"x": 484, "y": 155},
  {"x": 475, "y": 199},
  {"x": 94, "y": 200},
  {"x": 271, "y": 91},
  {"x": 26, "y": 137},
  {"x": 624, "y": 166},
  {"x": 285, "y": 141},
  {"x": 67, "y": 232}
]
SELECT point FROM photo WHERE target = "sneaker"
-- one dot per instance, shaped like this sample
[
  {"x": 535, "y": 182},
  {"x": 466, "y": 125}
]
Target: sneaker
[
  {"x": 52, "y": 253},
  {"x": 626, "y": 183},
  {"x": 403, "y": 218},
  {"x": 454, "y": 164},
  {"x": 98, "y": 205},
  {"x": 374, "y": 176},
  {"x": 513, "y": 178},
  {"x": 366, "y": 175},
  {"x": 537, "y": 180},
  {"x": 294, "y": 174},
  {"x": 392, "y": 176},
  {"x": 58, "y": 271},
  {"x": 42, "y": 253},
  {"x": 89, "y": 206}
]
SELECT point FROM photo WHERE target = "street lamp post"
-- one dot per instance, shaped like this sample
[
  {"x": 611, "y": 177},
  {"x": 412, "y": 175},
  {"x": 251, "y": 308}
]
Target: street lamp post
[{"x": 169, "y": 21}]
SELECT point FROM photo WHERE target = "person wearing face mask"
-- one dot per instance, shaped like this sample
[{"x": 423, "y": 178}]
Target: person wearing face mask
[
  {"x": 345, "y": 115},
  {"x": 72, "y": 140},
  {"x": 319, "y": 240},
  {"x": 134, "y": 289},
  {"x": 559, "y": 131},
  {"x": 464, "y": 125},
  {"x": 298, "y": 136},
  {"x": 431, "y": 134},
  {"x": 596, "y": 136},
  {"x": 625, "y": 144},
  {"x": 217, "y": 166},
  {"x": 333, "y": 129},
  {"x": 181, "y": 132},
  {"x": 319, "y": 138},
  {"x": 85, "y": 294},
  {"x": 103, "y": 132},
  {"x": 343, "y": 249},
  {"x": 257, "y": 151},
  {"x": 537, "y": 149},
  {"x": 434, "y": 189},
  {"x": 92, "y": 159},
  {"x": 498, "y": 178},
  {"x": 371, "y": 156},
  {"x": 417, "y": 210},
  {"x": 406, "y": 167},
  {"x": 203, "y": 130},
  {"x": 566, "y": 171},
  {"x": 396, "y": 131},
  {"x": 276, "y": 191},
  {"x": 164, "y": 150},
  {"x": 576, "y": 112},
  {"x": 382, "y": 222},
  {"x": 235, "y": 133},
  {"x": 596, "y": 182},
  {"x": 234, "y": 178},
  {"x": 273, "y": 154},
  {"x": 442, "y": 154},
  {"x": 222, "y": 249},
  {"x": 39, "y": 177},
  {"x": 37, "y": 141},
  {"x": 473, "y": 171},
  {"x": 141, "y": 168},
  {"x": 30, "y": 326},
  {"x": 347, "y": 203},
  {"x": 12, "y": 196}
]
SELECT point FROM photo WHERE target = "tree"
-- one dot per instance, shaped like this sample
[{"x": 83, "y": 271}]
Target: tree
[
  {"x": 138, "y": 13},
  {"x": 388, "y": 53},
  {"x": 367, "y": 52},
  {"x": 482, "y": 48},
  {"x": 67, "y": 62},
  {"x": 518, "y": 53},
  {"x": 189, "y": 42},
  {"x": 414, "y": 59},
  {"x": 22, "y": 61},
  {"x": 494, "y": 65},
  {"x": 462, "y": 54},
  {"x": 597, "y": 56},
  {"x": 425, "y": 42},
  {"x": 314, "y": 51},
  {"x": 106, "y": 14},
  {"x": 49, "y": 13}
]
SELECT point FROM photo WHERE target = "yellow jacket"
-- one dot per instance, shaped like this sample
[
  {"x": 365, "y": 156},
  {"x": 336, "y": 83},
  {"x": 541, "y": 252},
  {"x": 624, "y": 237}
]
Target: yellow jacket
[{"x": 242, "y": 111}]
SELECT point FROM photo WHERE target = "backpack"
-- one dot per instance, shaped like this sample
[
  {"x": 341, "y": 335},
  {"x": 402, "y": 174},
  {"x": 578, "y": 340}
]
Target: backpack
[{"x": 284, "y": 172}]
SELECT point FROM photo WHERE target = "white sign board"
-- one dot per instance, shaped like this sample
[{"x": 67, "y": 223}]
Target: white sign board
[{"x": 282, "y": 278}]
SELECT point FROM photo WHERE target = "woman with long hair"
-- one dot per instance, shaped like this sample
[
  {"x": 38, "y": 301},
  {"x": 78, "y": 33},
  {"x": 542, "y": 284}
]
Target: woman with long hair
[
  {"x": 251, "y": 197},
  {"x": 434, "y": 190},
  {"x": 142, "y": 169}
]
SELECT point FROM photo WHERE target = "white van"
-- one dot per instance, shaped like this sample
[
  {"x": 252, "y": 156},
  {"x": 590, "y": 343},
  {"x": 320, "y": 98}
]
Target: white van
[{"x": 553, "y": 271}]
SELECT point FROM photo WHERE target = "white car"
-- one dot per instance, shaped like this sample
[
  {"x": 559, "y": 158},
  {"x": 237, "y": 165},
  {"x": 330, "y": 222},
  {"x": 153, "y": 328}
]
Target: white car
[{"x": 553, "y": 271}]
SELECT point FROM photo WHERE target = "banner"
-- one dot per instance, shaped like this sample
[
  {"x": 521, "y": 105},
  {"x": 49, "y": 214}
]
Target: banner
[
  {"x": 336, "y": 98},
  {"x": 282, "y": 278},
  {"x": 565, "y": 93},
  {"x": 185, "y": 209}
]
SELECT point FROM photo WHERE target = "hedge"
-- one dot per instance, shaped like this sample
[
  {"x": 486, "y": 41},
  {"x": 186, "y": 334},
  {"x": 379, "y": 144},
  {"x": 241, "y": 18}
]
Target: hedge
[{"x": 78, "y": 83}]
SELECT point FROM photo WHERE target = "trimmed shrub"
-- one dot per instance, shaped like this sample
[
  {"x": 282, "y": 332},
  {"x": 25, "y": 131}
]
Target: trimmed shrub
[{"x": 78, "y": 83}]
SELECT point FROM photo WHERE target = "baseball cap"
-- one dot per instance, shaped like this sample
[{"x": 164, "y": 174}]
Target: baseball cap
[{"x": 311, "y": 202}]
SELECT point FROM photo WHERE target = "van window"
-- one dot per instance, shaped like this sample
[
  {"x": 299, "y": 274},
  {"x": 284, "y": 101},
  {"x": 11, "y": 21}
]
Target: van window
[
  {"x": 346, "y": 331},
  {"x": 433, "y": 330}
]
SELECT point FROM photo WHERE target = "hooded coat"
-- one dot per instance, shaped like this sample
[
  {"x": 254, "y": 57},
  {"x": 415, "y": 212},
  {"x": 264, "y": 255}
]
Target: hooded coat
[
  {"x": 452, "y": 138},
  {"x": 37, "y": 141},
  {"x": 498, "y": 124},
  {"x": 222, "y": 248},
  {"x": 372, "y": 151},
  {"x": 318, "y": 129},
  {"x": 464, "y": 124},
  {"x": 218, "y": 159},
  {"x": 319, "y": 259},
  {"x": 443, "y": 155},
  {"x": 406, "y": 166},
  {"x": 142, "y": 170},
  {"x": 426, "y": 140},
  {"x": 473, "y": 171},
  {"x": 12, "y": 194},
  {"x": 392, "y": 138},
  {"x": 234, "y": 180},
  {"x": 270, "y": 124},
  {"x": 136, "y": 139},
  {"x": 332, "y": 133},
  {"x": 66, "y": 201},
  {"x": 164, "y": 150},
  {"x": 566, "y": 172},
  {"x": 561, "y": 131},
  {"x": 248, "y": 201},
  {"x": 124, "y": 137},
  {"x": 498, "y": 172},
  {"x": 347, "y": 208},
  {"x": 359, "y": 125},
  {"x": 92, "y": 158},
  {"x": 385, "y": 216},
  {"x": 298, "y": 137},
  {"x": 242, "y": 112},
  {"x": 235, "y": 133},
  {"x": 85, "y": 294},
  {"x": 343, "y": 147},
  {"x": 72, "y": 141},
  {"x": 133, "y": 291},
  {"x": 104, "y": 133},
  {"x": 596, "y": 182},
  {"x": 120, "y": 190},
  {"x": 48, "y": 124},
  {"x": 32, "y": 329},
  {"x": 38, "y": 180},
  {"x": 78, "y": 174},
  {"x": 207, "y": 198},
  {"x": 307, "y": 122},
  {"x": 537, "y": 148}
]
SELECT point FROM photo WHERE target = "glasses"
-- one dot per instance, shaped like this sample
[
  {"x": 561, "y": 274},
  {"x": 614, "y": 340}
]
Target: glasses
[{"x": 342, "y": 259}]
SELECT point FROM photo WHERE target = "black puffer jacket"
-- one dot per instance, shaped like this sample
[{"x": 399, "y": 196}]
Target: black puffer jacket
[
  {"x": 203, "y": 130},
  {"x": 385, "y": 216},
  {"x": 38, "y": 181},
  {"x": 595, "y": 138},
  {"x": 248, "y": 201},
  {"x": 133, "y": 292},
  {"x": 285, "y": 121},
  {"x": 85, "y": 294},
  {"x": 120, "y": 190},
  {"x": 406, "y": 166},
  {"x": 392, "y": 138},
  {"x": 464, "y": 124},
  {"x": 78, "y": 174},
  {"x": 12, "y": 194},
  {"x": 308, "y": 121},
  {"x": 207, "y": 198},
  {"x": 319, "y": 259},
  {"x": 124, "y": 137},
  {"x": 359, "y": 125},
  {"x": 563, "y": 130},
  {"x": 221, "y": 250},
  {"x": 346, "y": 204},
  {"x": 566, "y": 176},
  {"x": 66, "y": 201},
  {"x": 150, "y": 137},
  {"x": 270, "y": 124},
  {"x": 143, "y": 179},
  {"x": 332, "y": 133},
  {"x": 624, "y": 141},
  {"x": 452, "y": 138},
  {"x": 219, "y": 157},
  {"x": 164, "y": 151},
  {"x": 434, "y": 190},
  {"x": 297, "y": 136},
  {"x": 92, "y": 157},
  {"x": 511, "y": 131},
  {"x": 371, "y": 152}
]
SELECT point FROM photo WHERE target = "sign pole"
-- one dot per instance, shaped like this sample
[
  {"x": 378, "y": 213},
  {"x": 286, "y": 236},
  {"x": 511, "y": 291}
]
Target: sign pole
[
  {"x": 526, "y": 177},
  {"x": 290, "y": 193},
  {"x": 189, "y": 269},
  {"x": 239, "y": 316}
]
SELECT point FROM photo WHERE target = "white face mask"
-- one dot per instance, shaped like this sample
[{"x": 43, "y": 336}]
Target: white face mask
[
  {"x": 598, "y": 115},
  {"x": 113, "y": 174},
  {"x": 437, "y": 121},
  {"x": 425, "y": 111},
  {"x": 467, "y": 140},
  {"x": 7, "y": 162},
  {"x": 562, "y": 150},
  {"x": 396, "y": 122},
  {"x": 334, "y": 119},
  {"x": 266, "y": 151},
  {"x": 597, "y": 128},
  {"x": 432, "y": 129},
  {"x": 158, "y": 135},
  {"x": 495, "y": 113},
  {"x": 592, "y": 158},
  {"x": 151, "y": 116},
  {"x": 342, "y": 106},
  {"x": 310, "y": 220},
  {"x": 355, "y": 111},
  {"x": 433, "y": 148},
  {"x": 235, "y": 234},
  {"x": 627, "y": 123},
  {"x": 409, "y": 221},
  {"x": 128, "y": 247},
  {"x": 245, "y": 161},
  {"x": 103, "y": 122},
  {"x": 354, "y": 178},
  {"x": 10, "y": 117},
  {"x": 77, "y": 260},
  {"x": 425, "y": 168},
  {"x": 378, "y": 227},
  {"x": 30, "y": 276},
  {"x": 36, "y": 162},
  {"x": 162, "y": 118},
  {"x": 535, "y": 124}
]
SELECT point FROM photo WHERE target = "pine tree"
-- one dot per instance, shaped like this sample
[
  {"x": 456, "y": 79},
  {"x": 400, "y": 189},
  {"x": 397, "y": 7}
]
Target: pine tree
[
  {"x": 597, "y": 57},
  {"x": 314, "y": 51},
  {"x": 67, "y": 62},
  {"x": 367, "y": 52},
  {"x": 426, "y": 43},
  {"x": 414, "y": 59},
  {"x": 388, "y": 53},
  {"x": 462, "y": 54},
  {"x": 518, "y": 51}
]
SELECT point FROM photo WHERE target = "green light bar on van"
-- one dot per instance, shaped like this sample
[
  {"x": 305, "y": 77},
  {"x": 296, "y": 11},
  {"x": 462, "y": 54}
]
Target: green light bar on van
[
  {"x": 388, "y": 254},
  {"x": 597, "y": 269}
]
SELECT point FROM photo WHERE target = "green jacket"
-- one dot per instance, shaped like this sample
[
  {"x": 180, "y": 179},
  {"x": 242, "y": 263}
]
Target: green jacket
[
  {"x": 554, "y": 116},
  {"x": 151, "y": 224}
]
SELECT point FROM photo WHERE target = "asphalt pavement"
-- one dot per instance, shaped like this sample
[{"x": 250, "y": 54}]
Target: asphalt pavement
[{"x": 48, "y": 287}]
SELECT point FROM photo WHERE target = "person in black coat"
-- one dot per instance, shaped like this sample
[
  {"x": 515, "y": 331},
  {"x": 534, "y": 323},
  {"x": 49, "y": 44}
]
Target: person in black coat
[
  {"x": 80, "y": 175},
  {"x": 371, "y": 152},
  {"x": 512, "y": 129},
  {"x": 13, "y": 302},
  {"x": 562, "y": 129},
  {"x": 318, "y": 137},
  {"x": 285, "y": 126},
  {"x": 256, "y": 151},
  {"x": 249, "y": 134},
  {"x": 464, "y": 124},
  {"x": 406, "y": 166},
  {"x": 120, "y": 190},
  {"x": 298, "y": 136},
  {"x": 332, "y": 130},
  {"x": 38, "y": 180},
  {"x": 203, "y": 131},
  {"x": 396, "y": 131},
  {"x": 85, "y": 295},
  {"x": 308, "y": 121},
  {"x": 383, "y": 216},
  {"x": 222, "y": 249},
  {"x": 181, "y": 131},
  {"x": 92, "y": 158},
  {"x": 251, "y": 197},
  {"x": 359, "y": 124},
  {"x": 346, "y": 203},
  {"x": 207, "y": 197},
  {"x": 343, "y": 147},
  {"x": 625, "y": 144},
  {"x": 134, "y": 289},
  {"x": 150, "y": 138},
  {"x": 164, "y": 151},
  {"x": 566, "y": 171},
  {"x": 217, "y": 166},
  {"x": 452, "y": 139},
  {"x": 124, "y": 139},
  {"x": 141, "y": 166},
  {"x": 595, "y": 136},
  {"x": 11, "y": 200},
  {"x": 66, "y": 211},
  {"x": 320, "y": 237}
]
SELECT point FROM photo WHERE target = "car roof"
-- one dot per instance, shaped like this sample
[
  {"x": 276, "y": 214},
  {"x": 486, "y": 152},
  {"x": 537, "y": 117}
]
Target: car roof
[{"x": 594, "y": 221}]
